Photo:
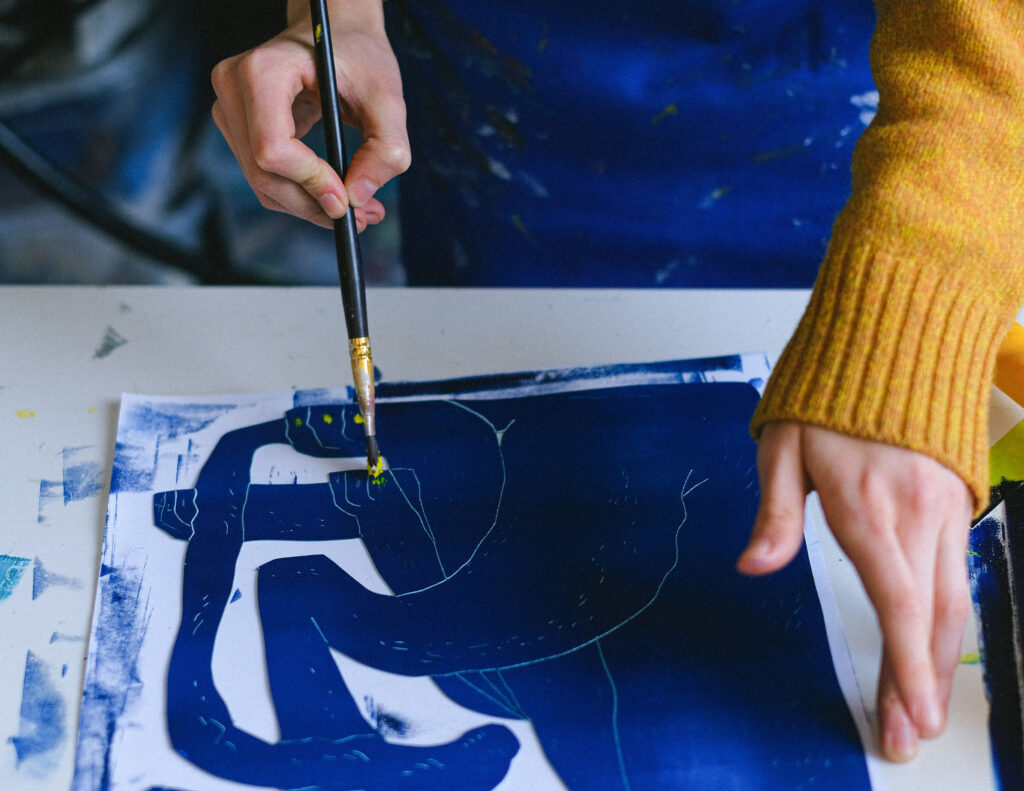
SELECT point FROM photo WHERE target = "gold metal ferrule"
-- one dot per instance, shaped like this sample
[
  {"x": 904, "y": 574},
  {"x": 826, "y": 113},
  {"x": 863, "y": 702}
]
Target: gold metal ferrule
[{"x": 362, "y": 376}]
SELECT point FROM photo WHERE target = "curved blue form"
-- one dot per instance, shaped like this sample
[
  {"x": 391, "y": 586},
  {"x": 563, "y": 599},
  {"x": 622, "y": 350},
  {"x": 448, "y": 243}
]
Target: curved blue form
[{"x": 566, "y": 559}]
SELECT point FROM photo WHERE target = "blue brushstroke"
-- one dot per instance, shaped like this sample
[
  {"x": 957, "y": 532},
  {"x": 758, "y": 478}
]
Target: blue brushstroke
[
  {"x": 42, "y": 580},
  {"x": 82, "y": 478},
  {"x": 41, "y": 730},
  {"x": 236, "y": 596},
  {"x": 172, "y": 420},
  {"x": 144, "y": 428},
  {"x": 133, "y": 469},
  {"x": 120, "y": 628},
  {"x": 66, "y": 638},
  {"x": 50, "y": 492},
  {"x": 11, "y": 570}
]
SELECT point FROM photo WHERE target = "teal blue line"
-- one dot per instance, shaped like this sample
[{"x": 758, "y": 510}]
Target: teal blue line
[
  {"x": 615, "y": 716},
  {"x": 11, "y": 569}
]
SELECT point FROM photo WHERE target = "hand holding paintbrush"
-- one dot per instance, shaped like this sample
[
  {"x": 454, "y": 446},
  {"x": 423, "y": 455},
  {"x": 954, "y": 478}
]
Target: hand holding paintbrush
[{"x": 346, "y": 239}]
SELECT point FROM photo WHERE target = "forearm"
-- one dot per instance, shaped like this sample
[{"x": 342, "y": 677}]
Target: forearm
[{"x": 923, "y": 274}]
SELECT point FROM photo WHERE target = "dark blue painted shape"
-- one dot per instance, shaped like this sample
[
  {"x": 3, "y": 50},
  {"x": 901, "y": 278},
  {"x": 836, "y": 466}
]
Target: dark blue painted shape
[
  {"x": 578, "y": 573},
  {"x": 995, "y": 563},
  {"x": 326, "y": 747}
]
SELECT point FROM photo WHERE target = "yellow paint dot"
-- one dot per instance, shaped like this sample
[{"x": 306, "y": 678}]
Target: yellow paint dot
[
  {"x": 298, "y": 421},
  {"x": 328, "y": 419},
  {"x": 92, "y": 410},
  {"x": 23, "y": 413},
  {"x": 358, "y": 418},
  {"x": 670, "y": 109},
  {"x": 970, "y": 659}
]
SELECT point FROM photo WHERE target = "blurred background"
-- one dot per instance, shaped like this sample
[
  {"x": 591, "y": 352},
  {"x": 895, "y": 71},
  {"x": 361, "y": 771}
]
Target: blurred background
[
  {"x": 111, "y": 169},
  {"x": 691, "y": 143}
]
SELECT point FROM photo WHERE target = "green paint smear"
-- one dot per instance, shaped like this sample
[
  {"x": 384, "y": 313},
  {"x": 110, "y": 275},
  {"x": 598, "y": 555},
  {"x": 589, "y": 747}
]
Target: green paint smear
[
  {"x": 11, "y": 569},
  {"x": 970, "y": 659},
  {"x": 1006, "y": 457}
]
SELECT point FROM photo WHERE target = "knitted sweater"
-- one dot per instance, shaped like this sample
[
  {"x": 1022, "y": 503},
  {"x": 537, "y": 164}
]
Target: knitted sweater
[{"x": 925, "y": 270}]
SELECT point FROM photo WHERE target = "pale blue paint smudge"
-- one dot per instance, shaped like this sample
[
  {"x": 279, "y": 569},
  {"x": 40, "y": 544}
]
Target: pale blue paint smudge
[
  {"x": 41, "y": 730},
  {"x": 11, "y": 569},
  {"x": 112, "y": 339},
  {"x": 49, "y": 493},
  {"x": 82, "y": 477},
  {"x": 65, "y": 638},
  {"x": 42, "y": 580}
]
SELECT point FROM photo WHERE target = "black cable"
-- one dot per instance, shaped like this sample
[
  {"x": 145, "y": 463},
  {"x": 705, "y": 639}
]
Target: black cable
[{"x": 208, "y": 265}]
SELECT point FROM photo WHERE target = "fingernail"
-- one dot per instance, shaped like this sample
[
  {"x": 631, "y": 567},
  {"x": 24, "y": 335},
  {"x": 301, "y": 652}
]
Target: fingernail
[
  {"x": 900, "y": 740},
  {"x": 333, "y": 206},
  {"x": 759, "y": 550},
  {"x": 361, "y": 191}
]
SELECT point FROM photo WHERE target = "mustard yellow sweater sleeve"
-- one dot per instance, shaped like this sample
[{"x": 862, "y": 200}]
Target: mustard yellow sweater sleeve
[{"x": 925, "y": 270}]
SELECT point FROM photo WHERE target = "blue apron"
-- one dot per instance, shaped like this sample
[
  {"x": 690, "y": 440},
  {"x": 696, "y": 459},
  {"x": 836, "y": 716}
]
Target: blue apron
[{"x": 701, "y": 143}]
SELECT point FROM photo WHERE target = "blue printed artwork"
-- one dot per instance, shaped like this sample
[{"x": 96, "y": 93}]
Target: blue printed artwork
[{"x": 538, "y": 592}]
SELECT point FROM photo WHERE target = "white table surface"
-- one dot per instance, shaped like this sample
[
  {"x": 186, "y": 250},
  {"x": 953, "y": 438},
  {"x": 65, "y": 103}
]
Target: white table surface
[{"x": 59, "y": 394}]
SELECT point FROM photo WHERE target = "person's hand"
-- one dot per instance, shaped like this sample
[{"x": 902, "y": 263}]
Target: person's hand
[
  {"x": 267, "y": 100},
  {"x": 902, "y": 518}
]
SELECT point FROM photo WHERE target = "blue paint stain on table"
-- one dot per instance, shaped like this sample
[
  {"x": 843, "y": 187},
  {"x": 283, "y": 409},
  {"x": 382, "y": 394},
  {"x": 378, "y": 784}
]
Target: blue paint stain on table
[
  {"x": 82, "y": 477},
  {"x": 43, "y": 580},
  {"x": 11, "y": 570},
  {"x": 42, "y": 729}
]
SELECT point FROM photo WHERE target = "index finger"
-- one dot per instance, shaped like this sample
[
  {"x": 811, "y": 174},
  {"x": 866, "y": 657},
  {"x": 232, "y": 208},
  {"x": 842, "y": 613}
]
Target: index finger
[{"x": 269, "y": 106}]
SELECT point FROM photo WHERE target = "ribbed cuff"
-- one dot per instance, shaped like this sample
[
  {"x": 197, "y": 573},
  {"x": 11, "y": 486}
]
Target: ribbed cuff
[{"x": 894, "y": 351}]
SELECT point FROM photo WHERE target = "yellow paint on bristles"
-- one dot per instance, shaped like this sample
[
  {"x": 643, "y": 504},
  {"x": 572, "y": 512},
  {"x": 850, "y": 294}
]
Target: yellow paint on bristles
[
  {"x": 24, "y": 413},
  {"x": 376, "y": 471},
  {"x": 1009, "y": 376}
]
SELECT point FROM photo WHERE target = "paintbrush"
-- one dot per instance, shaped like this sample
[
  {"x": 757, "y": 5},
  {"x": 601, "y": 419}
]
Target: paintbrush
[{"x": 346, "y": 239}]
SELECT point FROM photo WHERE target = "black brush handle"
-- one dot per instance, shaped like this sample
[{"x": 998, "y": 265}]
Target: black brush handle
[{"x": 346, "y": 236}]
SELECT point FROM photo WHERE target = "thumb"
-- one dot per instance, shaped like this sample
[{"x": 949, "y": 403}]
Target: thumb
[{"x": 779, "y": 525}]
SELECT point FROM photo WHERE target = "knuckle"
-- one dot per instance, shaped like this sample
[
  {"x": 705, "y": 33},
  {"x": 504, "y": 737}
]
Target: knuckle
[
  {"x": 397, "y": 157},
  {"x": 952, "y": 607},
  {"x": 220, "y": 76},
  {"x": 254, "y": 64},
  {"x": 268, "y": 155},
  {"x": 905, "y": 604}
]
